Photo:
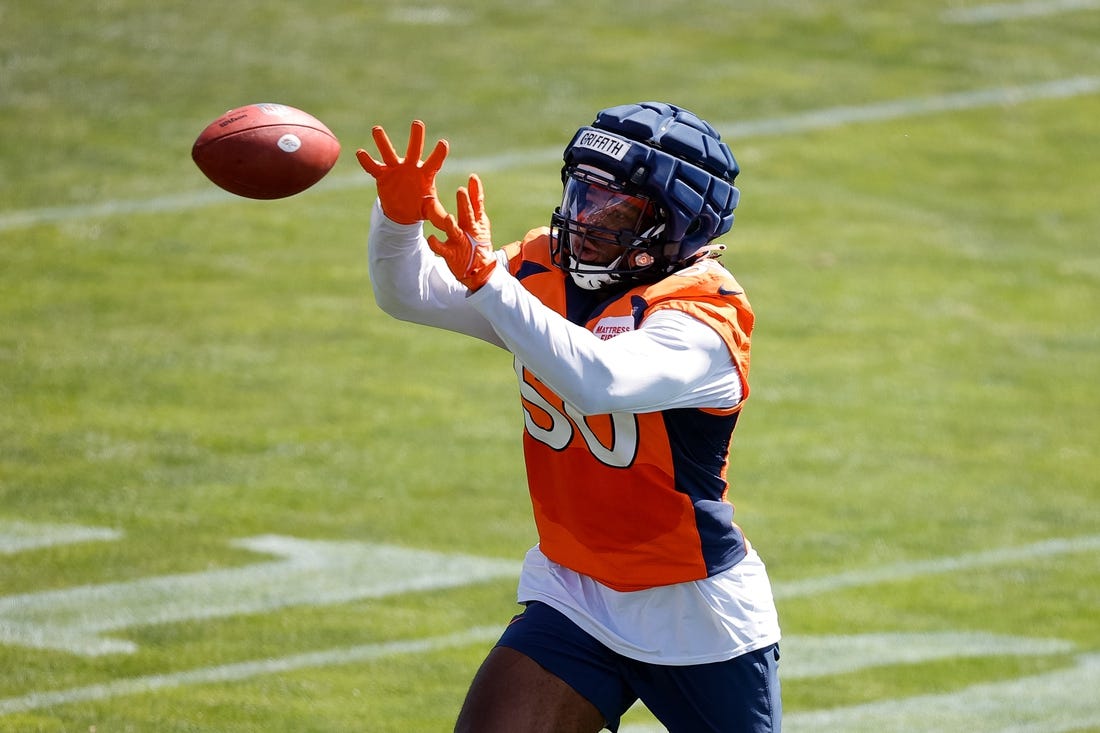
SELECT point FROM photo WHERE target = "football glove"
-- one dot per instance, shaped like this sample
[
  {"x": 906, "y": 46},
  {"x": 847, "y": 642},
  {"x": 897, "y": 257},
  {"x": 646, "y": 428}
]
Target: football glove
[
  {"x": 406, "y": 184},
  {"x": 468, "y": 249}
]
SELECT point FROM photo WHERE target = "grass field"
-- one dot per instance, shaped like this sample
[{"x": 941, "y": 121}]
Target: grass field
[{"x": 236, "y": 497}]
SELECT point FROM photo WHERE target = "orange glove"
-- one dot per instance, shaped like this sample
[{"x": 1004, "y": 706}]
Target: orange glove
[
  {"x": 404, "y": 184},
  {"x": 468, "y": 249}
]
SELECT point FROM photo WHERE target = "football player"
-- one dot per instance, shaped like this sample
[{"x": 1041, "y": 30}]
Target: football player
[{"x": 631, "y": 345}]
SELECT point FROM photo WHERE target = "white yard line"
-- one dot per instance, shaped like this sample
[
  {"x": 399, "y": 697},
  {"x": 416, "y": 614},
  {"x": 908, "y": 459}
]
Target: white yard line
[
  {"x": 246, "y": 670},
  {"x": 296, "y": 572},
  {"x": 802, "y": 122},
  {"x": 1053, "y": 702},
  {"x": 1075, "y": 86},
  {"x": 937, "y": 566},
  {"x": 18, "y": 536},
  {"x": 997, "y": 12},
  {"x": 485, "y": 634}
]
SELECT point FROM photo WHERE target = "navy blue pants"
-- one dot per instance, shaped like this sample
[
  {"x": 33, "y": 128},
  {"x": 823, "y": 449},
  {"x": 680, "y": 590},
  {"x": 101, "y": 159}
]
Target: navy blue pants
[{"x": 740, "y": 695}]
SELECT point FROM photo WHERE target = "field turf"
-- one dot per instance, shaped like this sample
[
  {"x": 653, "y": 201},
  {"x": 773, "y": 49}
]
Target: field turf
[{"x": 236, "y": 497}]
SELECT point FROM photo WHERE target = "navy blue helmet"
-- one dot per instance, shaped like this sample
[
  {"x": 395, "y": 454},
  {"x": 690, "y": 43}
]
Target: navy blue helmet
[{"x": 669, "y": 179}]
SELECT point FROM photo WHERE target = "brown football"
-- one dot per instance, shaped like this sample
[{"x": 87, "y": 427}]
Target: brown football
[{"x": 265, "y": 151}]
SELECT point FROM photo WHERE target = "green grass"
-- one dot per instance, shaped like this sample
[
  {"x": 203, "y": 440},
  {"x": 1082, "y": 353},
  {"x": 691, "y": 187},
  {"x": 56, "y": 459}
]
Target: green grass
[{"x": 925, "y": 364}]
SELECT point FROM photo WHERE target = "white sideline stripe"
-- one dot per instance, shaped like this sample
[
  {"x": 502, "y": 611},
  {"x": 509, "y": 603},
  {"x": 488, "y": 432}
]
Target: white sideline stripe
[
  {"x": 814, "y": 120},
  {"x": 17, "y": 536},
  {"x": 920, "y": 568},
  {"x": 811, "y": 665},
  {"x": 996, "y": 12},
  {"x": 247, "y": 670},
  {"x": 821, "y": 656}
]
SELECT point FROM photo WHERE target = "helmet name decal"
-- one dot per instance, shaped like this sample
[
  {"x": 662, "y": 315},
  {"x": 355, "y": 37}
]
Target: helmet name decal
[
  {"x": 612, "y": 326},
  {"x": 610, "y": 146}
]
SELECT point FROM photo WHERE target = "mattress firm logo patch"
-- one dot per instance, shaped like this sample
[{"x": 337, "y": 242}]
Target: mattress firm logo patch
[
  {"x": 601, "y": 143},
  {"x": 612, "y": 326}
]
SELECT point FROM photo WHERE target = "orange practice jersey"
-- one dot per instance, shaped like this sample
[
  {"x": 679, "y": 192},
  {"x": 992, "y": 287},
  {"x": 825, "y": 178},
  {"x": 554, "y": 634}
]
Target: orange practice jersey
[{"x": 633, "y": 500}]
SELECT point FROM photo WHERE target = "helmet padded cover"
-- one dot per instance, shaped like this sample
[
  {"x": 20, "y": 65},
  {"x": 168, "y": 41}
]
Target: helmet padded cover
[
  {"x": 675, "y": 130},
  {"x": 672, "y": 156}
]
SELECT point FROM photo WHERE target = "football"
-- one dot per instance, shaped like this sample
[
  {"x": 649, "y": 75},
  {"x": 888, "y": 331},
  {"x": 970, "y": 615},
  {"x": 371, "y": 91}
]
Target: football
[{"x": 265, "y": 151}]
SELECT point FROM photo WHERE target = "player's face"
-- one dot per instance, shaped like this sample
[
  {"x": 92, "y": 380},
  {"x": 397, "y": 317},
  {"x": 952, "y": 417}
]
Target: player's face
[{"x": 604, "y": 216}]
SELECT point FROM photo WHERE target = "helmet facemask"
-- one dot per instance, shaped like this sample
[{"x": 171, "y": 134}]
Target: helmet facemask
[{"x": 604, "y": 235}]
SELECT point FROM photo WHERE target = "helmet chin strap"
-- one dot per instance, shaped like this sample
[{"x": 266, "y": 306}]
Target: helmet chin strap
[{"x": 593, "y": 277}]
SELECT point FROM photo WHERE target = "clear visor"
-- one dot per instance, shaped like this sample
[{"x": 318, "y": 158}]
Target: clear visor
[{"x": 603, "y": 221}]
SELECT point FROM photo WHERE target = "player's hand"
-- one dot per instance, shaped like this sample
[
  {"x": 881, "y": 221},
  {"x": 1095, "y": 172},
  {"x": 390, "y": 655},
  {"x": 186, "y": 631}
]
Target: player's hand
[
  {"x": 472, "y": 217},
  {"x": 468, "y": 249},
  {"x": 406, "y": 184}
]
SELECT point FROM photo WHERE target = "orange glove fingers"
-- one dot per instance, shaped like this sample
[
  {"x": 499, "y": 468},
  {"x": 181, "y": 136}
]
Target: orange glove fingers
[
  {"x": 477, "y": 196},
  {"x": 404, "y": 185},
  {"x": 438, "y": 215},
  {"x": 449, "y": 226},
  {"x": 472, "y": 218},
  {"x": 469, "y": 261},
  {"x": 468, "y": 248},
  {"x": 435, "y": 161},
  {"x": 385, "y": 151},
  {"x": 432, "y": 209},
  {"x": 385, "y": 147},
  {"x": 479, "y": 267},
  {"x": 369, "y": 164}
]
